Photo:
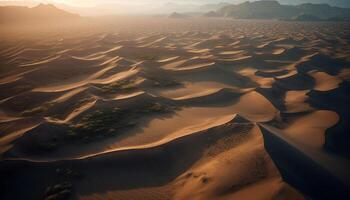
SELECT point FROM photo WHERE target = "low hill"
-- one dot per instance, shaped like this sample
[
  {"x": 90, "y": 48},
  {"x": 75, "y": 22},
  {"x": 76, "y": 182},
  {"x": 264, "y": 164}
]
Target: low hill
[
  {"x": 304, "y": 17},
  {"x": 176, "y": 15},
  {"x": 337, "y": 3},
  {"x": 42, "y": 12}
]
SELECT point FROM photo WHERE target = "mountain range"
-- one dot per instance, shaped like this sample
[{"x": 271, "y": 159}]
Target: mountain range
[
  {"x": 337, "y": 3},
  {"x": 266, "y": 9},
  {"x": 104, "y": 7},
  {"x": 270, "y": 9},
  {"x": 99, "y": 3}
]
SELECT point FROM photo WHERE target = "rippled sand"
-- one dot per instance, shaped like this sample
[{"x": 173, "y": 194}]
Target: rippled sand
[{"x": 180, "y": 105}]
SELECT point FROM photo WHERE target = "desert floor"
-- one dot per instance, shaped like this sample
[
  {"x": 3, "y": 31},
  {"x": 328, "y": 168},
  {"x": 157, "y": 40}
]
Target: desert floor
[{"x": 157, "y": 108}]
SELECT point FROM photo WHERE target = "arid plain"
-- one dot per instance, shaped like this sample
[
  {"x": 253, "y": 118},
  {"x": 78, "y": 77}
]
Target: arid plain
[{"x": 159, "y": 108}]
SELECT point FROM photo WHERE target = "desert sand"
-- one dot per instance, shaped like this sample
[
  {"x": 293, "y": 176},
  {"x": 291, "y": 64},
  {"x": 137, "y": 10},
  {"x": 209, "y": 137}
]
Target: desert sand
[{"x": 158, "y": 108}]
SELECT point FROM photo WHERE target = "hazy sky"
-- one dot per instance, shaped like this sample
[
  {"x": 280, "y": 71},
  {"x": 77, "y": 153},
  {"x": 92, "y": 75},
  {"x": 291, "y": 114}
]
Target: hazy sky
[
  {"x": 108, "y": 7},
  {"x": 96, "y": 2}
]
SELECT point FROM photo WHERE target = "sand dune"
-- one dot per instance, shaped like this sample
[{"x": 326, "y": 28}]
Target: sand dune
[
  {"x": 93, "y": 79},
  {"x": 295, "y": 101},
  {"x": 5, "y": 142},
  {"x": 168, "y": 59},
  {"x": 75, "y": 113},
  {"x": 324, "y": 81},
  {"x": 230, "y": 176},
  {"x": 195, "y": 66},
  {"x": 46, "y": 61},
  {"x": 127, "y": 96},
  {"x": 193, "y": 90},
  {"x": 330, "y": 171},
  {"x": 256, "y": 108},
  {"x": 200, "y": 94},
  {"x": 231, "y": 52},
  {"x": 68, "y": 95},
  {"x": 264, "y": 82},
  {"x": 310, "y": 129},
  {"x": 126, "y": 160},
  {"x": 154, "y": 108}
]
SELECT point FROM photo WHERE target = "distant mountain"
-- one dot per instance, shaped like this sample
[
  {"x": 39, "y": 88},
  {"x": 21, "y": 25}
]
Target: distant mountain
[
  {"x": 211, "y": 14},
  {"x": 212, "y": 7},
  {"x": 176, "y": 15},
  {"x": 42, "y": 12},
  {"x": 337, "y": 3},
  {"x": 188, "y": 8},
  {"x": 304, "y": 17},
  {"x": 29, "y": 3},
  {"x": 274, "y": 10},
  {"x": 110, "y": 7}
]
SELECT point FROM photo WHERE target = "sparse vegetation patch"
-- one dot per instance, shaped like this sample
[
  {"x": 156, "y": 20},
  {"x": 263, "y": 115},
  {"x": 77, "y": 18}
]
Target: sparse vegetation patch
[{"x": 107, "y": 122}]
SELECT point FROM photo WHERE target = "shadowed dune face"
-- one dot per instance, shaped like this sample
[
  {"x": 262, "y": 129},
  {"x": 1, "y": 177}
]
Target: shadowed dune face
[{"x": 153, "y": 108}]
